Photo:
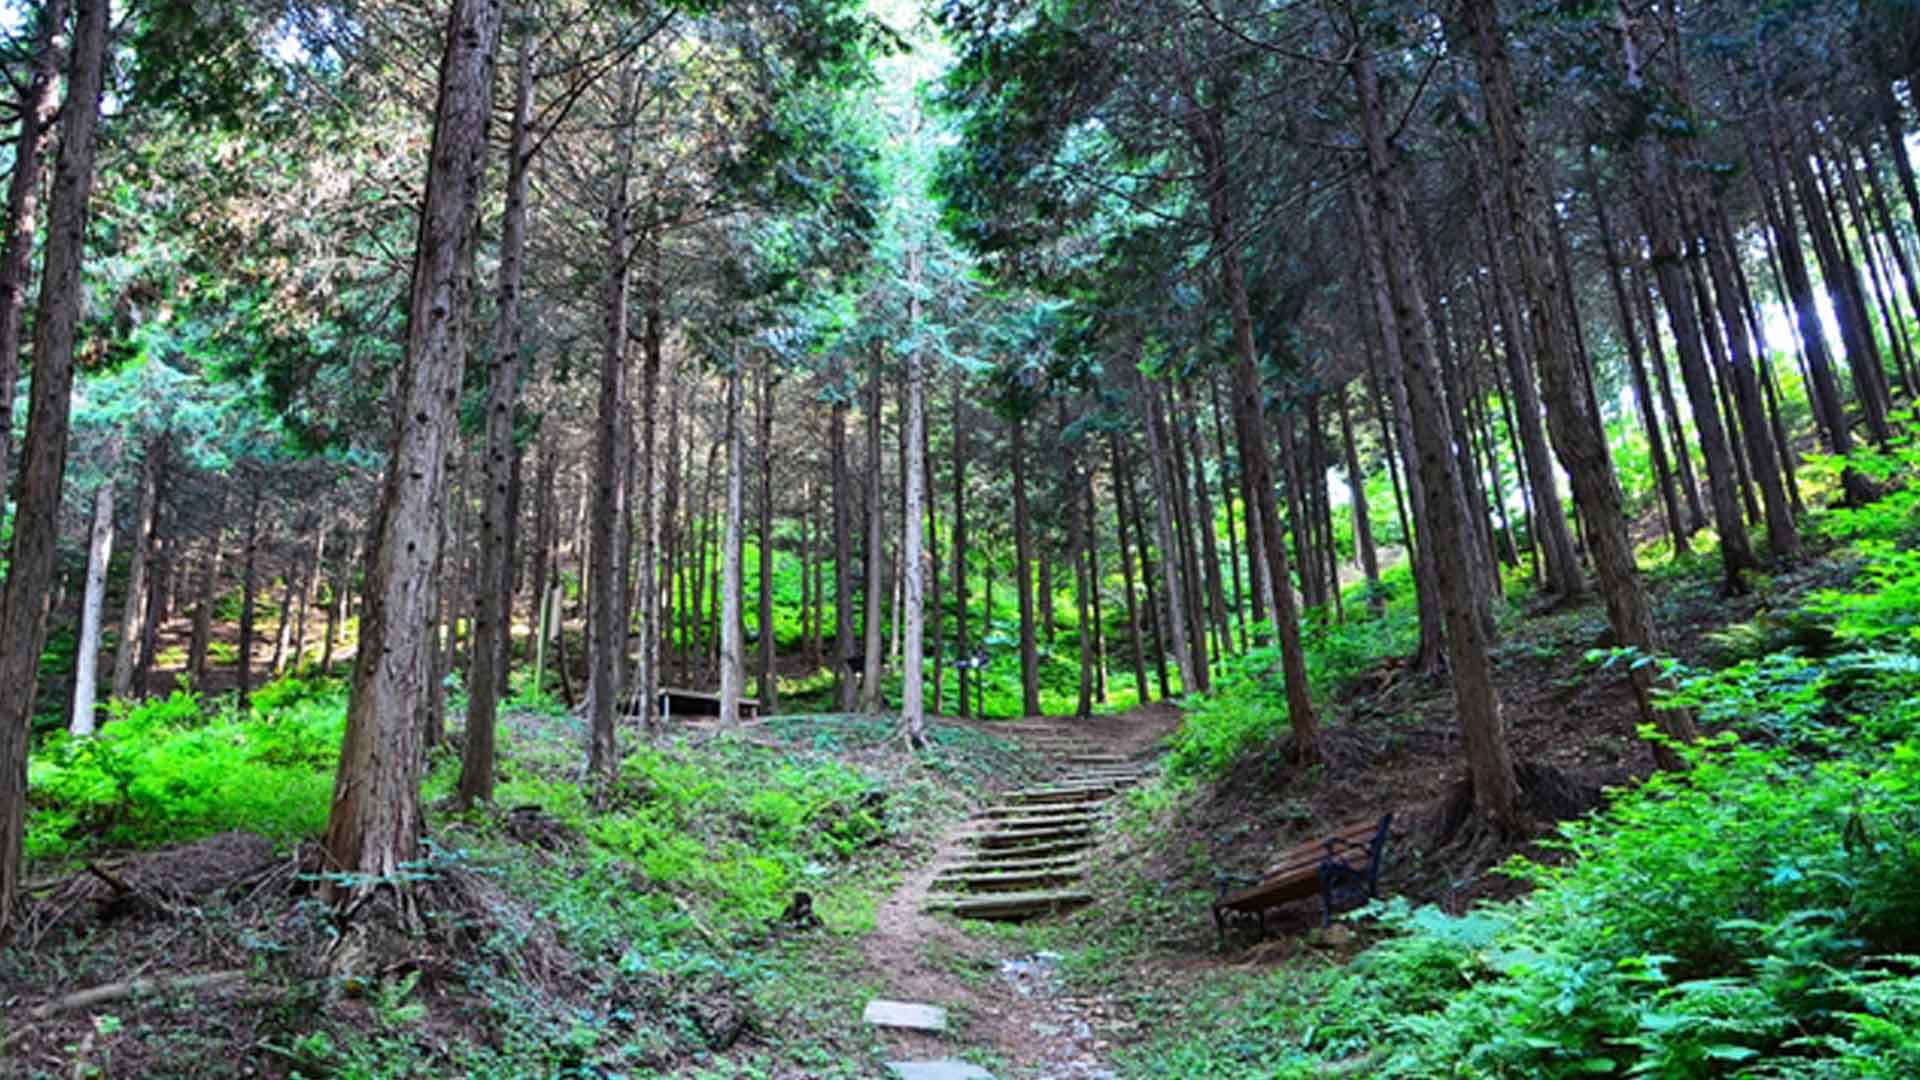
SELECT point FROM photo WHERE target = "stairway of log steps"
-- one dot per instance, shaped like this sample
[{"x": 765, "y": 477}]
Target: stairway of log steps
[{"x": 1024, "y": 857}]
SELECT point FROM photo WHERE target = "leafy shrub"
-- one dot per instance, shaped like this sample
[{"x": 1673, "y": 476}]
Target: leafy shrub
[
  {"x": 1247, "y": 707},
  {"x": 164, "y": 771}
]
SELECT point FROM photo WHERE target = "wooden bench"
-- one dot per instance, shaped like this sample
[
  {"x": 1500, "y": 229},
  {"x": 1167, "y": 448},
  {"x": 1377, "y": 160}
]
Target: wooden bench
[
  {"x": 674, "y": 701},
  {"x": 1341, "y": 867}
]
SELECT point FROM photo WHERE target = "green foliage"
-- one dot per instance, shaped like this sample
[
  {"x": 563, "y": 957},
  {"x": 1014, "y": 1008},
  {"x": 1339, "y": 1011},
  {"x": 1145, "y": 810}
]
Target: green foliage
[
  {"x": 736, "y": 827},
  {"x": 1247, "y": 707},
  {"x": 1754, "y": 915},
  {"x": 169, "y": 770}
]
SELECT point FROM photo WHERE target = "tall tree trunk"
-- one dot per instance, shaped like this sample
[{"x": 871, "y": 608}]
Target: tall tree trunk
[
  {"x": 249, "y": 593},
  {"x": 875, "y": 594},
  {"x": 1574, "y": 421},
  {"x": 1120, "y": 516},
  {"x": 1189, "y": 578},
  {"x": 1250, "y": 431},
  {"x": 929, "y": 493},
  {"x": 86, "y": 658},
  {"x": 1862, "y": 358},
  {"x": 1783, "y": 538},
  {"x": 961, "y": 598},
  {"x": 1151, "y": 611},
  {"x": 913, "y": 561},
  {"x": 1429, "y": 655},
  {"x": 39, "y": 105},
  {"x": 1549, "y": 521},
  {"x": 309, "y": 582},
  {"x": 843, "y": 655},
  {"x": 1023, "y": 573},
  {"x": 1362, "y": 522},
  {"x": 133, "y": 611},
  {"x": 732, "y": 658},
  {"x": 606, "y": 600},
  {"x": 1642, "y": 388},
  {"x": 493, "y": 610},
  {"x": 1227, "y": 487},
  {"x": 1079, "y": 542},
  {"x": 1720, "y": 374},
  {"x": 1882, "y": 291},
  {"x": 208, "y": 591},
  {"x": 766, "y": 679},
  {"x": 1210, "y": 541},
  {"x": 1736, "y": 552},
  {"x": 1643, "y": 293},
  {"x": 1175, "y": 629},
  {"x": 374, "y": 829},
  {"x": 1445, "y": 532}
]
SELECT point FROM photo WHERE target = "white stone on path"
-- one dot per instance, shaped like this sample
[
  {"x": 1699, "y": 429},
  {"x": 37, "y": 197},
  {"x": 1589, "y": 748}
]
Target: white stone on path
[
  {"x": 938, "y": 1070},
  {"x": 905, "y": 1014}
]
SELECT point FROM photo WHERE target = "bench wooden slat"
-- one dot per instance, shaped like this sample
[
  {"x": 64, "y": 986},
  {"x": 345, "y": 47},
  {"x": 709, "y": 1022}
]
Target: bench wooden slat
[{"x": 1341, "y": 859}]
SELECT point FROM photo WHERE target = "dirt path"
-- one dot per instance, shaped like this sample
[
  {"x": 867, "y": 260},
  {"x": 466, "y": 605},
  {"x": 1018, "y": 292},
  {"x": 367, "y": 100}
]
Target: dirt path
[{"x": 1006, "y": 1010}]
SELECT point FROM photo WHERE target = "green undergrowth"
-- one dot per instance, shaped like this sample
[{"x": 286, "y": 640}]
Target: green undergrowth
[
  {"x": 669, "y": 889},
  {"x": 1247, "y": 706},
  {"x": 175, "y": 769},
  {"x": 1755, "y": 916}
]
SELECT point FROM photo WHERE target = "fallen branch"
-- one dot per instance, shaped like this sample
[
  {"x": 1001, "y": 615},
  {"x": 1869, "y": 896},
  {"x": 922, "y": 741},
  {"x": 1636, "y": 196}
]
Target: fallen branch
[{"x": 114, "y": 991}]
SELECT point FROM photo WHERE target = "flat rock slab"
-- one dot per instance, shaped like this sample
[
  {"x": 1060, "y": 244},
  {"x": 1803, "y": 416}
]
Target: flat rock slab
[
  {"x": 905, "y": 1014},
  {"x": 938, "y": 1070}
]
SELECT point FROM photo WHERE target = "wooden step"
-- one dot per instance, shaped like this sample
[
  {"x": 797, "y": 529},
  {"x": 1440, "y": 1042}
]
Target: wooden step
[
  {"x": 987, "y": 883},
  {"x": 1071, "y": 846},
  {"x": 1032, "y": 810},
  {"x": 1061, "y": 793},
  {"x": 1016, "y": 838},
  {"x": 1036, "y": 821},
  {"x": 1013, "y": 865},
  {"x": 1009, "y": 905}
]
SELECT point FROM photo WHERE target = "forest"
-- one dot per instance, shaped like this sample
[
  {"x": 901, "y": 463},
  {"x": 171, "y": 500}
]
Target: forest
[{"x": 1054, "y": 539}]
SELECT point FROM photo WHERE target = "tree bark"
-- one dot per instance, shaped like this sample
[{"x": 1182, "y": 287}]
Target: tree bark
[
  {"x": 1250, "y": 433},
  {"x": 1023, "y": 573},
  {"x": 1642, "y": 388},
  {"x": 39, "y": 106},
  {"x": 373, "y": 832},
  {"x": 1429, "y": 655},
  {"x": 961, "y": 597},
  {"x": 493, "y": 610},
  {"x": 209, "y": 596},
  {"x": 875, "y": 595},
  {"x": 86, "y": 658},
  {"x": 1362, "y": 521},
  {"x": 732, "y": 658},
  {"x": 913, "y": 718},
  {"x": 1445, "y": 532},
  {"x": 1549, "y": 522},
  {"x": 1574, "y": 421},
  {"x": 133, "y": 611},
  {"x": 766, "y": 679},
  {"x": 1174, "y": 628},
  {"x": 843, "y": 655},
  {"x": 606, "y": 595},
  {"x": 1120, "y": 513},
  {"x": 1783, "y": 538}
]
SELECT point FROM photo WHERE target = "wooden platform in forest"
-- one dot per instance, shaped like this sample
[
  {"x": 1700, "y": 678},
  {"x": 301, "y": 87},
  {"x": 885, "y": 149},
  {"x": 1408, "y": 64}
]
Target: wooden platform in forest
[{"x": 675, "y": 701}]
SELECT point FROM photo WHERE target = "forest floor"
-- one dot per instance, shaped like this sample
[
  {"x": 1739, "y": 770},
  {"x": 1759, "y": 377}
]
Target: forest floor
[
  {"x": 550, "y": 903},
  {"x": 1009, "y": 1011}
]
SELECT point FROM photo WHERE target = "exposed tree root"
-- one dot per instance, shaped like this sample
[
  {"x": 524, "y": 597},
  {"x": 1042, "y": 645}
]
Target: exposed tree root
[{"x": 114, "y": 991}]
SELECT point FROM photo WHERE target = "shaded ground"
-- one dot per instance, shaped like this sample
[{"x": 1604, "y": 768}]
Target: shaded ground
[{"x": 1009, "y": 1011}]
